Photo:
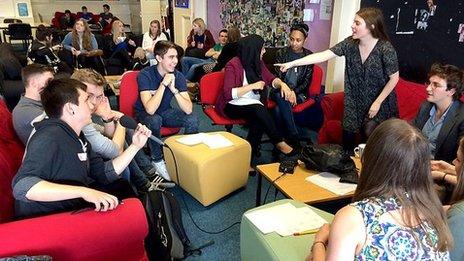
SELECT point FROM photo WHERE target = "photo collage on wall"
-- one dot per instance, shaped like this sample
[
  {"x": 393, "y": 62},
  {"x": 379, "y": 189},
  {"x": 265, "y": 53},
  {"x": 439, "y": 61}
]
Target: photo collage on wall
[{"x": 248, "y": 15}]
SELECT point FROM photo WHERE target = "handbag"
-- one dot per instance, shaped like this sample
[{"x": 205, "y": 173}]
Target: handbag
[{"x": 329, "y": 158}]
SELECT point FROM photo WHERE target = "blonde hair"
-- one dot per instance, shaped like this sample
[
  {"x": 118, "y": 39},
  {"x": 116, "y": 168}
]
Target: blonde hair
[
  {"x": 200, "y": 22},
  {"x": 115, "y": 25},
  {"x": 89, "y": 76}
]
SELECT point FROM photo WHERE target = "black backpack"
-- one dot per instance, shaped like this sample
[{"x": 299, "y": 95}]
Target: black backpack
[{"x": 166, "y": 238}]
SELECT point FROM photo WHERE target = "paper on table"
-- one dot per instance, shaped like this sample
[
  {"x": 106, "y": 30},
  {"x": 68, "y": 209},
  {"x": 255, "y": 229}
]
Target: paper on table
[
  {"x": 266, "y": 220},
  {"x": 217, "y": 141},
  {"x": 332, "y": 183},
  {"x": 285, "y": 219},
  {"x": 192, "y": 139}
]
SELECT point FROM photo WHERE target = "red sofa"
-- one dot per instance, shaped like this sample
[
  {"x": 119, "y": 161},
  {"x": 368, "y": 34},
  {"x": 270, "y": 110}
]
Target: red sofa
[
  {"x": 409, "y": 95},
  {"x": 88, "y": 235}
]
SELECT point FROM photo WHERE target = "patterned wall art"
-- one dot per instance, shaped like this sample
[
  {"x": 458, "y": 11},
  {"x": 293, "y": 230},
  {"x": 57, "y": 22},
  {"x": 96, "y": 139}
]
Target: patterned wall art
[{"x": 249, "y": 15}]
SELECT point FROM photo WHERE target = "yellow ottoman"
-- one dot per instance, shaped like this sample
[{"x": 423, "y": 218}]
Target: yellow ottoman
[{"x": 209, "y": 174}]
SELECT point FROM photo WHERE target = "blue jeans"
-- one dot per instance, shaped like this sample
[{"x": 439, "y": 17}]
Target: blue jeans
[
  {"x": 172, "y": 117},
  {"x": 284, "y": 115},
  {"x": 189, "y": 64}
]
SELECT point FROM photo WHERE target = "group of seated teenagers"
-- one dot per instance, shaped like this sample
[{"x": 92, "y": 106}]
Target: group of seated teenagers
[
  {"x": 67, "y": 21},
  {"x": 81, "y": 49},
  {"x": 396, "y": 212}
]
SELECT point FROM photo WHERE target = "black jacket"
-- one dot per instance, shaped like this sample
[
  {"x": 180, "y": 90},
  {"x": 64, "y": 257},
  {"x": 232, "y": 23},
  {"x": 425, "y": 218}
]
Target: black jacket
[
  {"x": 305, "y": 72},
  {"x": 450, "y": 133},
  {"x": 55, "y": 154}
]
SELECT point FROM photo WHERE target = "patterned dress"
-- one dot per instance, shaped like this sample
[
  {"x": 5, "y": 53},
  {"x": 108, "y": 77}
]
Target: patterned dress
[
  {"x": 386, "y": 240},
  {"x": 365, "y": 81}
]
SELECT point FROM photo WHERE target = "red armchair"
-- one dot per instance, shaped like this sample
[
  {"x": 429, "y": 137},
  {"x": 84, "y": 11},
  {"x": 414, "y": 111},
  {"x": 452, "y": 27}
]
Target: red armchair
[
  {"x": 128, "y": 93},
  {"x": 409, "y": 96},
  {"x": 89, "y": 235},
  {"x": 210, "y": 86}
]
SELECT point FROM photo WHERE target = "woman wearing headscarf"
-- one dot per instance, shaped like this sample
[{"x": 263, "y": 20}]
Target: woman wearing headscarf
[{"x": 245, "y": 79}]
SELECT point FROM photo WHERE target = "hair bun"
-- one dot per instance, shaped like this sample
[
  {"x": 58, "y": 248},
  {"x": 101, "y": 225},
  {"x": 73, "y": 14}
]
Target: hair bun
[{"x": 304, "y": 28}]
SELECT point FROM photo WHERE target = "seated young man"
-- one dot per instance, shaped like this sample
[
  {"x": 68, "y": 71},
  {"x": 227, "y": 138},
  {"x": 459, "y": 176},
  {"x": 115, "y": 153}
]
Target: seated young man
[
  {"x": 107, "y": 136},
  {"x": 298, "y": 79},
  {"x": 87, "y": 16},
  {"x": 189, "y": 64},
  {"x": 158, "y": 85},
  {"x": 60, "y": 171},
  {"x": 441, "y": 117},
  {"x": 35, "y": 78}
]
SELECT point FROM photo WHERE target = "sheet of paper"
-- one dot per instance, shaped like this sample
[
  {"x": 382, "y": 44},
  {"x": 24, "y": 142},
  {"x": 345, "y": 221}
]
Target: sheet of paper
[
  {"x": 308, "y": 15},
  {"x": 325, "y": 11},
  {"x": 192, "y": 139},
  {"x": 285, "y": 219},
  {"x": 314, "y": 1},
  {"x": 216, "y": 141},
  {"x": 266, "y": 220},
  {"x": 332, "y": 183}
]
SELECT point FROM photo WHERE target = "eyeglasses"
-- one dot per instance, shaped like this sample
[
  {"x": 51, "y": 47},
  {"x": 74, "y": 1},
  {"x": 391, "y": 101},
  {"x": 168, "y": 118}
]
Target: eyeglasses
[{"x": 434, "y": 85}]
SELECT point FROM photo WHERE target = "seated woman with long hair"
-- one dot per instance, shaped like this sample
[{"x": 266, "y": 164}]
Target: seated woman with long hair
[
  {"x": 81, "y": 44},
  {"x": 120, "y": 47},
  {"x": 396, "y": 214},
  {"x": 151, "y": 37},
  {"x": 244, "y": 82}
]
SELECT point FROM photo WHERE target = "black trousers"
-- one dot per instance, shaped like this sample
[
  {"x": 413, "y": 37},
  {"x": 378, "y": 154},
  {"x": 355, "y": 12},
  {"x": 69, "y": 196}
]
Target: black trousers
[{"x": 259, "y": 121}]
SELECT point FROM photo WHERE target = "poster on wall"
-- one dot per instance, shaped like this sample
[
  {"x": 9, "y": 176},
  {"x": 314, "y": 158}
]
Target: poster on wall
[
  {"x": 22, "y": 9},
  {"x": 279, "y": 14},
  {"x": 325, "y": 13},
  {"x": 181, "y": 3}
]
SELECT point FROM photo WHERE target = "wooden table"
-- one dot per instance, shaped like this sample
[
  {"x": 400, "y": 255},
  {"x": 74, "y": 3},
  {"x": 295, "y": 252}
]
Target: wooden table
[
  {"x": 294, "y": 186},
  {"x": 114, "y": 81}
]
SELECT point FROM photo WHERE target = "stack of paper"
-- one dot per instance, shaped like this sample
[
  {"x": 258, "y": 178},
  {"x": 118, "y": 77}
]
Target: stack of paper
[
  {"x": 213, "y": 141},
  {"x": 332, "y": 183},
  {"x": 285, "y": 219}
]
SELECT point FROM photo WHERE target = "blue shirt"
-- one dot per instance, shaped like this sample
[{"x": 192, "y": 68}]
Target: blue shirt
[
  {"x": 431, "y": 128},
  {"x": 149, "y": 79}
]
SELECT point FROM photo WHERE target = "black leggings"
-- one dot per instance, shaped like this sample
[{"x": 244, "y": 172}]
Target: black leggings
[{"x": 259, "y": 121}]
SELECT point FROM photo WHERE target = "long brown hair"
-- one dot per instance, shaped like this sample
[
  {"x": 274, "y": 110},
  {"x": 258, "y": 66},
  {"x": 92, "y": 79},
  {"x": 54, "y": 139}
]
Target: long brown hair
[
  {"x": 159, "y": 28},
  {"x": 86, "y": 37},
  {"x": 396, "y": 163},
  {"x": 233, "y": 34},
  {"x": 458, "y": 192},
  {"x": 374, "y": 22}
]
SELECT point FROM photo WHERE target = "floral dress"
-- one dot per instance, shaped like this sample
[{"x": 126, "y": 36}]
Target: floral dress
[
  {"x": 386, "y": 240},
  {"x": 365, "y": 81}
]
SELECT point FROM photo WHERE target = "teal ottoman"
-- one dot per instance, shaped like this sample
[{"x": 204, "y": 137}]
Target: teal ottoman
[{"x": 256, "y": 246}]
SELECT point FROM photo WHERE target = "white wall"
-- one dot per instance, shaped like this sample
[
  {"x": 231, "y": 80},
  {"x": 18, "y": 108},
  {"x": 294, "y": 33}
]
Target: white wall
[
  {"x": 126, "y": 10},
  {"x": 342, "y": 18}
]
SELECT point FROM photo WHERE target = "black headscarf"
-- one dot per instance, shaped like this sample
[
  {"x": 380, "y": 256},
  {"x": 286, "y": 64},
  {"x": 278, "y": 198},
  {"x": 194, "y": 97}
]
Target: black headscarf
[{"x": 249, "y": 53}]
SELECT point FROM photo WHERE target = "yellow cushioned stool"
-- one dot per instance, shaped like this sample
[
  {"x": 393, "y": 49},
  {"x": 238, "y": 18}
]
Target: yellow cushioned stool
[{"x": 209, "y": 174}]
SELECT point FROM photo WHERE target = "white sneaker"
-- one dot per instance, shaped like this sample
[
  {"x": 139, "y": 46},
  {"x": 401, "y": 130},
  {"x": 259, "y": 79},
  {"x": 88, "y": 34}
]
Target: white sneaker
[{"x": 160, "y": 167}]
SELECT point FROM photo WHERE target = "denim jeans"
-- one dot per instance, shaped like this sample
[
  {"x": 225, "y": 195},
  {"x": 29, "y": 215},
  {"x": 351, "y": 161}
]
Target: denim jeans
[
  {"x": 172, "y": 117},
  {"x": 189, "y": 64},
  {"x": 284, "y": 115}
]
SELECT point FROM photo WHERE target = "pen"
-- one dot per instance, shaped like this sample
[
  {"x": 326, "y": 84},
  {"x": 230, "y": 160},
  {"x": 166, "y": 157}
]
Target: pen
[{"x": 312, "y": 231}]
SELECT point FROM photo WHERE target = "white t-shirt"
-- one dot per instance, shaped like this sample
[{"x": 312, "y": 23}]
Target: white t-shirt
[{"x": 149, "y": 42}]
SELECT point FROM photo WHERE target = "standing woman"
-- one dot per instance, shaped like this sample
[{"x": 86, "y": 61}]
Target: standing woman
[
  {"x": 244, "y": 82},
  {"x": 396, "y": 213},
  {"x": 371, "y": 74},
  {"x": 82, "y": 45},
  {"x": 151, "y": 37}
]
